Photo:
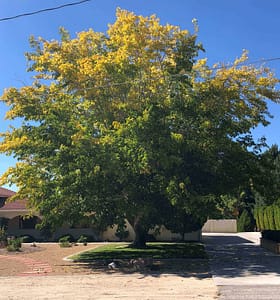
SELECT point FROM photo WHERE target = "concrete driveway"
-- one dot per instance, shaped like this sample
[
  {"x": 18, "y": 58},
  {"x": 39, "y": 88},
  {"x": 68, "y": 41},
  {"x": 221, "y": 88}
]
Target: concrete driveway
[{"x": 241, "y": 269}]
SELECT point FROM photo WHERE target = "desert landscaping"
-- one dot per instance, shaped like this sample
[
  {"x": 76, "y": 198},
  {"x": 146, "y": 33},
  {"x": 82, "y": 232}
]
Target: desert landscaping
[{"x": 41, "y": 272}]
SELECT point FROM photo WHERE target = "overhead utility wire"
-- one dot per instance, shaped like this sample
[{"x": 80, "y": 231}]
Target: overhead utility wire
[
  {"x": 245, "y": 63},
  {"x": 116, "y": 84},
  {"x": 43, "y": 10}
]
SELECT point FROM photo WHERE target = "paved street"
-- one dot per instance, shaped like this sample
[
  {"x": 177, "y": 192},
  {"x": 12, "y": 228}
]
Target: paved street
[{"x": 241, "y": 269}]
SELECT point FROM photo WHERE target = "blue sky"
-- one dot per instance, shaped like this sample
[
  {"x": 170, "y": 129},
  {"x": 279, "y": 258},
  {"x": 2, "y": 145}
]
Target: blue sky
[{"x": 225, "y": 28}]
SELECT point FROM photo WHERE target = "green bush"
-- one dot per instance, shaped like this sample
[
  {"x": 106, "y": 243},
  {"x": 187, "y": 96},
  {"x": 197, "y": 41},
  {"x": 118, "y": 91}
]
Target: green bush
[
  {"x": 83, "y": 239},
  {"x": 277, "y": 217},
  {"x": 261, "y": 218},
  {"x": 267, "y": 217},
  {"x": 245, "y": 222},
  {"x": 257, "y": 216},
  {"x": 64, "y": 241},
  {"x": 69, "y": 237},
  {"x": 14, "y": 244},
  {"x": 27, "y": 239},
  {"x": 270, "y": 217}
]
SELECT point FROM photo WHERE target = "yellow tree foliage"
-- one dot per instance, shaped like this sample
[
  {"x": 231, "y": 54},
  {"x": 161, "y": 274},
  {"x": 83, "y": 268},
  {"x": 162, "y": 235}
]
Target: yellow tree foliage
[{"x": 130, "y": 115}]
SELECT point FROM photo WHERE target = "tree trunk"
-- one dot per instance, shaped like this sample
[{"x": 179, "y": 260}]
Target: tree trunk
[{"x": 140, "y": 235}]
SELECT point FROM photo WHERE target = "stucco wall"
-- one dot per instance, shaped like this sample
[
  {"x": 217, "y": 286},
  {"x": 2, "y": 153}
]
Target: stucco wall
[
  {"x": 165, "y": 235},
  {"x": 21, "y": 232},
  {"x": 226, "y": 226},
  {"x": 107, "y": 235},
  {"x": 75, "y": 232}
]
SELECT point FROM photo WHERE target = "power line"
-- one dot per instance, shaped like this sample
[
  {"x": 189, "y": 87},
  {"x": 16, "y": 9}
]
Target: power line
[
  {"x": 265, "y": 60},
  {"x": 43, "y": 10},
  {"x": 245, "y": 63},
  {"x": 112, "y": 84}
]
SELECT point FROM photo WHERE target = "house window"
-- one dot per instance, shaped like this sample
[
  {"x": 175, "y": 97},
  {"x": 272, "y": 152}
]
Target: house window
[{"x": 2, "y": 201}]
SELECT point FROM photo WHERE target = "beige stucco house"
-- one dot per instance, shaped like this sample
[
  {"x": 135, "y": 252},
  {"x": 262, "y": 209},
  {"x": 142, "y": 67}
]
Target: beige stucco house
[{"x": 13, "y": 216}]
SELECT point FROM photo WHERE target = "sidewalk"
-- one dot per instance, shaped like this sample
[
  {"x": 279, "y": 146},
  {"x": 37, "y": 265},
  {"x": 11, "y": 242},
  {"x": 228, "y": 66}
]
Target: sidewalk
[{"x": 241, "y": 268}]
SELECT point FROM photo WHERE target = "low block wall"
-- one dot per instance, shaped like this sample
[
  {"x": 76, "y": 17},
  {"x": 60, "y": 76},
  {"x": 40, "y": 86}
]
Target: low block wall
[
  {"x": 270, "y": 245},
  {"x": 226, "y": 226}
]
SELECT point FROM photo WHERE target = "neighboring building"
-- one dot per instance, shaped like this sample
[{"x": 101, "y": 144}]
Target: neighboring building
[{"x": 15, "y": 216}]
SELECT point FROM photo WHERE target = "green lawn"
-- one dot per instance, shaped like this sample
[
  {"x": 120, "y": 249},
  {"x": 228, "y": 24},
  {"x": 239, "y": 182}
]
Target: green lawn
[{"x": 153, "y": 250}]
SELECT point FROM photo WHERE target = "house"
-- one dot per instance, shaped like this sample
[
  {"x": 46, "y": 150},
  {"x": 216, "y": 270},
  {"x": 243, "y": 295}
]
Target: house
[
  {"x": 13, "y": 216},
  {"x": 16, "y": 218}
]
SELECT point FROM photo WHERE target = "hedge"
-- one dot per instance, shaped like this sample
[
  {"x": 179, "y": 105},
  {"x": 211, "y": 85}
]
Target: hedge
[
  {"x": 245, "y": 222},
  {"x": 267, "y": 217}
]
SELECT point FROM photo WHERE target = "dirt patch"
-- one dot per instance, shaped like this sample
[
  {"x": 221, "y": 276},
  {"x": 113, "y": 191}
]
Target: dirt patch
[
  {"x": 108, "y": 287},
  {"x": 170, "y": 279},
  {"x": 49, "y": 253},
  {"x": 52, "y": 254}
]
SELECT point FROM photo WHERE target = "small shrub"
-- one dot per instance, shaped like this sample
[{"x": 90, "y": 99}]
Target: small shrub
[
  {"x": 14, "y": 244},
  {"x": 83, "y": 239},
  {"x": 27, "y": 239},
  {"x": 64, "y": 241},
  {"x": 69, "y": 236}
]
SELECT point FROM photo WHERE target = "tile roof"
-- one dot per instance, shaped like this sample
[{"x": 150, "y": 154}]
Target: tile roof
[
  {"x": 15, "y": 205},
  {"x": 6, "y": 193}
]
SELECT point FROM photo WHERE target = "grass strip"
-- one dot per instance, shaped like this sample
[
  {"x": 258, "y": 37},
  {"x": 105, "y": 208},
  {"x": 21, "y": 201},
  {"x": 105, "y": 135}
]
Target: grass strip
[{"x": 153, "y": 250}]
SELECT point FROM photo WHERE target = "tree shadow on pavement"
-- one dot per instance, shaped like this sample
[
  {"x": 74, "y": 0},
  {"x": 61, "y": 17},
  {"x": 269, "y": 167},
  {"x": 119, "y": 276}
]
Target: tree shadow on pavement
[{"x": 232, "y": 256}]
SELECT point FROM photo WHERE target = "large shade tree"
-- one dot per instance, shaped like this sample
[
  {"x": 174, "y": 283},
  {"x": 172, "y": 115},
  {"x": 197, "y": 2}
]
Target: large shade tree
[{"x": 131, "y": 125}]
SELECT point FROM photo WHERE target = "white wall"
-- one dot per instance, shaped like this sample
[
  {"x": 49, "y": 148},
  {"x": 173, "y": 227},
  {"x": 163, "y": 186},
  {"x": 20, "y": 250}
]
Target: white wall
[{"x": 227, "y": 226}]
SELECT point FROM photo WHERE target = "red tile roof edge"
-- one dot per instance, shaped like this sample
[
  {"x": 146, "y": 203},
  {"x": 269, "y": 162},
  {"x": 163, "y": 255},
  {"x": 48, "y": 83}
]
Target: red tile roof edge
[
  {"x": 18, "y": 205},
  {"x": 6, "y": 193}
]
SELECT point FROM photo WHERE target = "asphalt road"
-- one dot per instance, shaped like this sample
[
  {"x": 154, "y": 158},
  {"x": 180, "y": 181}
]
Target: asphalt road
[{"x": 241, "y": 268}]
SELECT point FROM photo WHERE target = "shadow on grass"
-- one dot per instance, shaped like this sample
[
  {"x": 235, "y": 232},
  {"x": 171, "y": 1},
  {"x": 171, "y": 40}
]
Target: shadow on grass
[{"x": 182, "y": 259}]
